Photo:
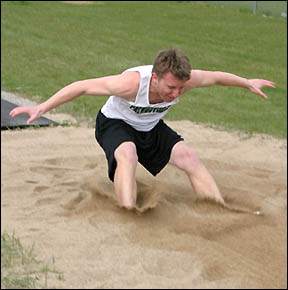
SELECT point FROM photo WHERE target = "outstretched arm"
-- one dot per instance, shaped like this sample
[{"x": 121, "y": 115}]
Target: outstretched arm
[
  {"x": 123, "y": 85},
  {"x": 200, "y": 78}
]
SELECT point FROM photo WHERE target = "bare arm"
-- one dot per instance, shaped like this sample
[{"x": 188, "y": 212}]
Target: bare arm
[
  {"x": 123, "y": 85},
  {"x": 200, "y": 78}
]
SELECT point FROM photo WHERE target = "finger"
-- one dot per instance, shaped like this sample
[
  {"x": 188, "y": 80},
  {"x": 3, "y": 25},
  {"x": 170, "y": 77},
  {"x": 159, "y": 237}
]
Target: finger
[
  {"x": 32, "y": 118},
  {"x": 13, "y": 112},
  {"x": 260, "y": 93},
  {"x": 29, "y": 121},
  {"x": 17, "y": 111},
  {"x": 269, "y": 84},
  {"x": 264, "y": 96}
]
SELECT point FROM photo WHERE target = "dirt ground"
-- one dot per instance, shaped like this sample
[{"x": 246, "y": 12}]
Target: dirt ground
[{"x": 55, "y": 193}]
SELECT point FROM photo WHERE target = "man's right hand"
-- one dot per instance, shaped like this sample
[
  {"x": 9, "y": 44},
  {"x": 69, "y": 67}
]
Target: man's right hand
[{"x": 33, "y": 112}]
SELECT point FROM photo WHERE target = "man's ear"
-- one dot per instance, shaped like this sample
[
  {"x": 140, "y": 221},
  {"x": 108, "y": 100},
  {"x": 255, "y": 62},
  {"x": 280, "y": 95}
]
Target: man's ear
[{"x": 154, "y": 76}]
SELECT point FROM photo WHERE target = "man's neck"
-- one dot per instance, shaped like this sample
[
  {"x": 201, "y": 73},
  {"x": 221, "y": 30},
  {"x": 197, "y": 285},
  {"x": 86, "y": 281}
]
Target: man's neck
[{"x": 154, "y": 97}]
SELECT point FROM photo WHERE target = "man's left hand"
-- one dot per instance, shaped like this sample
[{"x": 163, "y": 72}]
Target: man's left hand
[{"x": 255, "y": 86}]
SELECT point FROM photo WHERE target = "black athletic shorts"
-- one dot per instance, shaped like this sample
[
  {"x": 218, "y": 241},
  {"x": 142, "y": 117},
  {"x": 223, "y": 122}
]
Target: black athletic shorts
[{"x": 153, "y": 147}]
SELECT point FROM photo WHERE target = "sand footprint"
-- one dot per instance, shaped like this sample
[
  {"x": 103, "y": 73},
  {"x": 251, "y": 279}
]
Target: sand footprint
[
  {"x": 46, "y": 201},
  {"x": 48, "y": 169},
  {"x": 31, "y": 181},
  {"x": 74, "y": 203},
  {"x": 39, "y": 189}
]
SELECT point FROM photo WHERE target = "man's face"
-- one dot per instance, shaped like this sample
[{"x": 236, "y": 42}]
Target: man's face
[{"x": 169, "y": 87}]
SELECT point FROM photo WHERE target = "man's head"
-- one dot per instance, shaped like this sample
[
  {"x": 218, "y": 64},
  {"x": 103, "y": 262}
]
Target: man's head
[
  {"x": 171, "y": 70},
  {"x": 172, "y": 60}
]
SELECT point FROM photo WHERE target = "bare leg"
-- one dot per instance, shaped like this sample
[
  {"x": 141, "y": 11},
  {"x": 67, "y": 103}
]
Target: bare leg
[
  {"x": 124, "y": 179},
  {"x": 203, "y": 183}
]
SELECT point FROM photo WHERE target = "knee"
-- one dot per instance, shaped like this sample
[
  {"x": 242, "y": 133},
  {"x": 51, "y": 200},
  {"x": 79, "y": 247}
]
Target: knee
[
  {"x": 191, "y": 160},
  {"x": 186, "y": 159},
  {"x": 126, "y": 153}
]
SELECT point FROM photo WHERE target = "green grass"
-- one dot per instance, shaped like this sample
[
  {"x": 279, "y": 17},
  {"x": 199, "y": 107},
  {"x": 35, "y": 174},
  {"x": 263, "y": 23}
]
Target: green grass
[
  {"x": 20, "y": 268},
  {"x": 47, "y": 45}
]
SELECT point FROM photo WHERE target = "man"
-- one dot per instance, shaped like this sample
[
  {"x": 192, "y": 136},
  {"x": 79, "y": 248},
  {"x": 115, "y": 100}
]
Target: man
[{"x": 130, "y": 128}]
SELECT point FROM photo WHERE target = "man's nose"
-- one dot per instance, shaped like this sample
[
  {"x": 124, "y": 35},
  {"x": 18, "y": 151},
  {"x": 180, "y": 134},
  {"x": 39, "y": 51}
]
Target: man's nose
[{"x": 175, "y": 94}]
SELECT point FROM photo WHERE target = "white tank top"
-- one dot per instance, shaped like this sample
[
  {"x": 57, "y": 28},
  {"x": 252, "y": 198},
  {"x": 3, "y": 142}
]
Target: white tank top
[{"x": 141, "y": 115}]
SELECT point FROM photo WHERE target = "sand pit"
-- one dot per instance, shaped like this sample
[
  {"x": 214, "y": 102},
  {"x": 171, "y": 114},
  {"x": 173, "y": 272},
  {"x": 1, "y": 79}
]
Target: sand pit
[{"x": 56, "y": 194}]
